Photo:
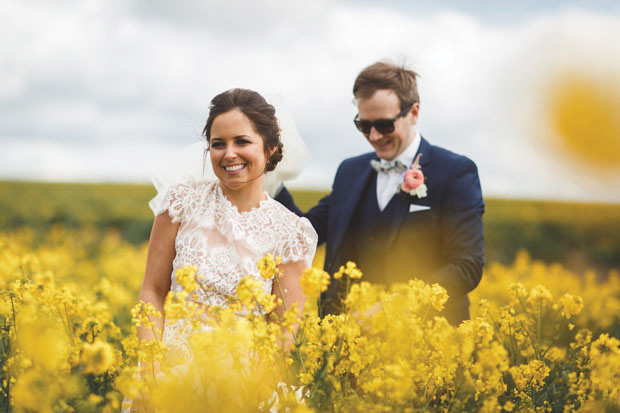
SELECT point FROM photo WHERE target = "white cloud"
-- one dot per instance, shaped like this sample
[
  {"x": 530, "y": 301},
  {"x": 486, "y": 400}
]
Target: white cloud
[{"x": 103, "y": 80}]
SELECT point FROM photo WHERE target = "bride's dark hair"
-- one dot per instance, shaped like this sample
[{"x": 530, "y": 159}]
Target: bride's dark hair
[{"x": 261, "y": 114}]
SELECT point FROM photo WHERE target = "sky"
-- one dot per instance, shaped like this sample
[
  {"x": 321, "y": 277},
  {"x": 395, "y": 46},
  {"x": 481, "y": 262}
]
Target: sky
[{"x": 96, "y": 90}]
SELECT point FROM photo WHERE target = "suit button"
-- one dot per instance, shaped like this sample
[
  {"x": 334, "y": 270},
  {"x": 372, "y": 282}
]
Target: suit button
[{"x": 371, "y": 238}]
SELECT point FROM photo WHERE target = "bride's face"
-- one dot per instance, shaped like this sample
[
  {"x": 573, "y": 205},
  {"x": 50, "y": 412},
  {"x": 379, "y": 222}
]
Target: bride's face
[{"x": 237, "y": 150}]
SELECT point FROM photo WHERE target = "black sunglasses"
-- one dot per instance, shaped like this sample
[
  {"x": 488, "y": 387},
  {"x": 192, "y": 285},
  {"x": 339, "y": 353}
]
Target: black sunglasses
[{"x": 383, "y": 126}]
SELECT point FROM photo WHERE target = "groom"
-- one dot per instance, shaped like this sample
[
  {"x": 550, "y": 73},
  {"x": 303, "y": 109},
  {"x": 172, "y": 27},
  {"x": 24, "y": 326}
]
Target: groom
[{"x": 433, "y": 232}]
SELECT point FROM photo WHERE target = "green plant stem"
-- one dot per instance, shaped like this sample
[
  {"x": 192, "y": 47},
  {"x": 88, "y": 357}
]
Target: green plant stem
[
  {"x": 14, "y": 318},
  {"x": 153, "y": 372},
  {"x": 298, "y": 347},
  {"x": 539, "y": 322},
  {"x": 205, "y": 291},
  {"x": 428, "y": 399},
  {"x": 151, "y": 322},
  {"x": 68, "y": 327},
  {"x": 281, "y": 292},
  {"x": 453, "y": 397},
  {"x": 532, "y": 342},
  {"x": 512, "y": 346}
]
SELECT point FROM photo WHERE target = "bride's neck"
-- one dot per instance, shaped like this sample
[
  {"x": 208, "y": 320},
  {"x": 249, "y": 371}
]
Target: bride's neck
[{"x": 247, "y": 197}]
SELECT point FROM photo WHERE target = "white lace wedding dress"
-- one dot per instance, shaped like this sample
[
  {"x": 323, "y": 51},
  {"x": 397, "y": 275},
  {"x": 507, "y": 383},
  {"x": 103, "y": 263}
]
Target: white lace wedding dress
[{"x": 225, "y": 244}]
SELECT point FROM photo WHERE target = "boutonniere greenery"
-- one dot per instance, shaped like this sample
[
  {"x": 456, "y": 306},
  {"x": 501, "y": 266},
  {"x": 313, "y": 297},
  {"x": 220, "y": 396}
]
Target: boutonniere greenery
[{"x": 414, "y": 181}]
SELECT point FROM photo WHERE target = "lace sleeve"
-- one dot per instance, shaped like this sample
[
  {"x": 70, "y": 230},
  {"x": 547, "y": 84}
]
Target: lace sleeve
[
  {"x": 174, "y": 200},
  {"x": 300, "y": 245}
]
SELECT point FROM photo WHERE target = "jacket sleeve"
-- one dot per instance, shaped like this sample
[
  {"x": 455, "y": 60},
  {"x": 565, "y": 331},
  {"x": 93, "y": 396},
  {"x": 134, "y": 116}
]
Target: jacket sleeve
[
  {"x": 317, "y": 215},
  {"x": 461, "y": 231}
]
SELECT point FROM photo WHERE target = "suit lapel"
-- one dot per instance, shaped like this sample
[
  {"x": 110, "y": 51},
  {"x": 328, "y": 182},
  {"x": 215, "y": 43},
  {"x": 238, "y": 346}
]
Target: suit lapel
[
  {"x": 426, "y": 150},
  {"x": 402, "y": 208},
  {"x": 358, "y": 184}
]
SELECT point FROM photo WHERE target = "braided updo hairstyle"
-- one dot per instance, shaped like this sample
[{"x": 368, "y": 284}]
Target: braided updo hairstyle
[{"x": 259, "y": 112}]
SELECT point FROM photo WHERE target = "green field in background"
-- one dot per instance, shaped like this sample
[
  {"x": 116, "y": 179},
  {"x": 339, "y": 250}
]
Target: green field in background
[{"x": 580, "y": 235}]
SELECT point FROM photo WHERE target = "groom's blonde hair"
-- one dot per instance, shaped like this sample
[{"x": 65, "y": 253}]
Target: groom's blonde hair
[{"x": 387, "y": 75}]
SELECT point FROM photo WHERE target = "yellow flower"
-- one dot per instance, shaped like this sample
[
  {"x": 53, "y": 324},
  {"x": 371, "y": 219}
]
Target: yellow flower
[
  {"x": 247, "y": 291},
  {"x": 438, "y": 297},
  {"x": 605, "y": 346},
  {"x": 268, "y": 266},
  {"x": 177, "y": 306},
  {"x": 186, "y": 277},
  {"x": 97, "y": 357},
  {"x": 90, "y": 329},
  {"x": 140, "y": 314},
  {"x": 605, "y": 367},
  {"x": 94, "y": 399},
  {"x": 517, "y": 291},
  {"x": 290, "y": 318},
  {"x": 43, "y": 342},
  {"x": 130, "y": 345},
  {"x": 490, "y": 405},
  {"x": 477, "y": 331},
  {"x": 128, "y": 382},
  {"x": 314, "y": 281},
  {"x": 363, "y": 299},
  {"x": 35, "y": 391},
  {"x": 488, "y": 369},
  {"x": 350, "y": 269},
  {"x": 151, "y": 351},
  {"x": 556, "y": 354},
  {"x": 569, "y": 305},
  {"x": 532, "y": 374},
  {"x": 539, "y": 295}
]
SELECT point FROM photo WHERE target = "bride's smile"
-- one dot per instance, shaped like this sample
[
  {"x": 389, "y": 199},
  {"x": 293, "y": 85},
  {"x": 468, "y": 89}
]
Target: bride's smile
[{"x": 233, "y": 169}]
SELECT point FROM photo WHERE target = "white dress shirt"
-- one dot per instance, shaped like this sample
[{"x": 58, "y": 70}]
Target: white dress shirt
[{"x": 388, "y": 182}]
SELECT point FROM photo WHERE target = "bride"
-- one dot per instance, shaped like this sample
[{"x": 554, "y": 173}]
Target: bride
[{"x": 225, "y": 226}]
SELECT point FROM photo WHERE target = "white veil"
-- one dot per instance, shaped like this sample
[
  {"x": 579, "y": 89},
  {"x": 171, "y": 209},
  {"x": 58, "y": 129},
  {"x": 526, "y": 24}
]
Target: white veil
[{"x": 193, "y": 161}]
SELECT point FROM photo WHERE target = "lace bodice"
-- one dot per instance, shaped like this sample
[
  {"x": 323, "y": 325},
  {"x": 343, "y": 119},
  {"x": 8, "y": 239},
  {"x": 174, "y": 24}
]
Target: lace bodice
[{"x": 225, "y": 244}]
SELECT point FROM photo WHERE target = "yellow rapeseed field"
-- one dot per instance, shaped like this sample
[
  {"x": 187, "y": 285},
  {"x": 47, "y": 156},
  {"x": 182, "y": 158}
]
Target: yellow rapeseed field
[{"x": 541, "y": 339}]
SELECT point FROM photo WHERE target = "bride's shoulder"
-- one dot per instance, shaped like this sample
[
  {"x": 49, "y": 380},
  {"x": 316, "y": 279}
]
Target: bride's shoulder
[
  {"x": 290, "y": 218},
  {"x": 297, "y": 239},
  {"x": 180, "y": 197},
  {"x": 282, "y": 212}
]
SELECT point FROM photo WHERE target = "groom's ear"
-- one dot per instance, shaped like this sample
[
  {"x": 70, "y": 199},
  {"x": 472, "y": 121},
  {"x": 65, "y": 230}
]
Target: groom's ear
[{"x": 415, "y": 110}]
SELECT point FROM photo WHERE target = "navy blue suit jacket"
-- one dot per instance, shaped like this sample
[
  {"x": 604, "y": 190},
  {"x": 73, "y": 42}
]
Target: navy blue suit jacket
[{"x": 443, "y": 244}]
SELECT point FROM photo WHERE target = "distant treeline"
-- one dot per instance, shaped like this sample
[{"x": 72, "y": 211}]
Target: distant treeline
[{"x": 579, "y": 235}]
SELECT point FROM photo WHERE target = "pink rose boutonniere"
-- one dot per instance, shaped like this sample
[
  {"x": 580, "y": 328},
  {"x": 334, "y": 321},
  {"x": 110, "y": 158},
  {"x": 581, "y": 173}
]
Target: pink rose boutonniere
[{"x": 414, "y": 180}]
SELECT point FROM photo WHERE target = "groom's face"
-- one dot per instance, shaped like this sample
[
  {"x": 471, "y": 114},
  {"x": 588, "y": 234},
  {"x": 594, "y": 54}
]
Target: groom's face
[{"x": 384, "y": 104}]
